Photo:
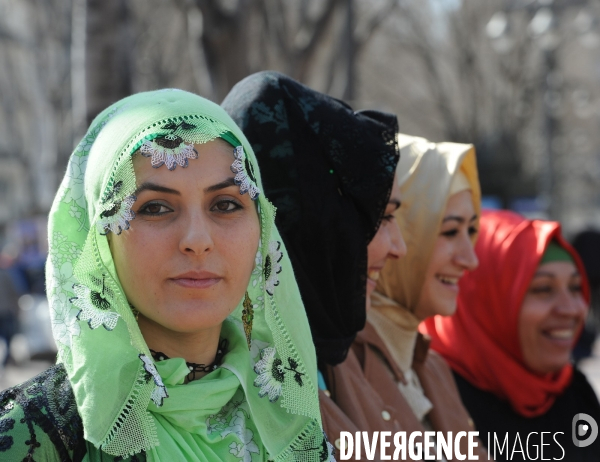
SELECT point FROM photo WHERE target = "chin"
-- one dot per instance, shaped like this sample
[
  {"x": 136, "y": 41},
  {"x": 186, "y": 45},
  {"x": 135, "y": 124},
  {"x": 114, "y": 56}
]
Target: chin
[
  {"x": 550, "y": 366},
  {"x": 191, "y": 326},
  {"x": 189, "y": 319},
  {"x": 444, "y": 308}
]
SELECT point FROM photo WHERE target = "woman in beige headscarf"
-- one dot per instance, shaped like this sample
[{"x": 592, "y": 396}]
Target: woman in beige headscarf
[{"x": 438, "y": 219}]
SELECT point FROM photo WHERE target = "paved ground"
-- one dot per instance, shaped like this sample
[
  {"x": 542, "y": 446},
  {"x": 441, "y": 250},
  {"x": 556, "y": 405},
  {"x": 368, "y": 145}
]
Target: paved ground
[{"x": 13, "y": 375}]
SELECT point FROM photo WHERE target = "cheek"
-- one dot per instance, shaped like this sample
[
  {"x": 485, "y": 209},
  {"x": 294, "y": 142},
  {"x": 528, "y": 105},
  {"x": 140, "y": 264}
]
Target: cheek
[
  {"x": 136, "y": 262},
  {"x": 377, "y": 248},
  {"x": 441, "y": 257},
  {"x": 532, "y": 315},
  {"x": 238, "y": 246},
  {"x": 583, "y": 309}
]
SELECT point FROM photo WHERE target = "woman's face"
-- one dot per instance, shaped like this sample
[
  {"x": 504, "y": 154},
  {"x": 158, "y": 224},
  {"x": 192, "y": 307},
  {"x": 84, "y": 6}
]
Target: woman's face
[
  {"x": 551, "y": 317},
  {"x": 452, "y": 255},
  {"x": 186, "y": 260},
  {"x": 387, "y": 243}
]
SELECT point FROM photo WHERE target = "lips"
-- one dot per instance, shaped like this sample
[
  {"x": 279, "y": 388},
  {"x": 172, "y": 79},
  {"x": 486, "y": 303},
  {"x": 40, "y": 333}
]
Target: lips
[
  {"x": 196, "y": 279},
  {"x": 448, "y": 280},
  {"x": 560, "y": 333},
  {"x": 372, "y": 277},
  {"x": 373, "y": 274}
]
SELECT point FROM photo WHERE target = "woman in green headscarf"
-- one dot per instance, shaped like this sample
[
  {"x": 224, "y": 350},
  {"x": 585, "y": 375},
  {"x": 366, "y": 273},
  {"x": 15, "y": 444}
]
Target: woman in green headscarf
[{"x": 172, "y": 301}]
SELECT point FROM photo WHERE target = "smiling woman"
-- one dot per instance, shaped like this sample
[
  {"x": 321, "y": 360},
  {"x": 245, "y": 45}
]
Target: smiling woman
[
  {"x": 439, "y": 217},
  {"x": 518, "y": 318},
  {"x": 171, "y": 298}
]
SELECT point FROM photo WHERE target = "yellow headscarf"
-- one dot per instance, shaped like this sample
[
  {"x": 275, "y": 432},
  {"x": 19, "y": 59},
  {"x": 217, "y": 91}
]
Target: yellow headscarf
[{"x": 428, "y": 174}]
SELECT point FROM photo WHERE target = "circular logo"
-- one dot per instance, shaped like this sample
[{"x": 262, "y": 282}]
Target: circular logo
[{"x": 582, "y": 429}]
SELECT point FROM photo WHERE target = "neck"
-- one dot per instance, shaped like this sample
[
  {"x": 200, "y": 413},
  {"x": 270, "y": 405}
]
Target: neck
[{"x": 194, "y": 347}]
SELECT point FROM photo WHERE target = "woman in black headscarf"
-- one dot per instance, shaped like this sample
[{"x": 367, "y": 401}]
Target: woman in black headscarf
[{"x": 329, "y": 171}]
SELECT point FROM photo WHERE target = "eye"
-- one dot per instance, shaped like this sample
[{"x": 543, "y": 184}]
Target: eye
[
  {"x": 576, "y": 288},
  {"x": 226, "y": 206},
  {"x": 473, "y": 230},
  {"x": 541, "y": 290},
  {"x": 450, "y": 233},
  {"x": 389, "y": 217},
  {"x": 154, "y": 209}
]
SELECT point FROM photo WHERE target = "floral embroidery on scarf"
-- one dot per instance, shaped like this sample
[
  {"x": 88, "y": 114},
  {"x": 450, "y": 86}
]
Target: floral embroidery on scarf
[
  {"x": 326, "y": 454},
  {"x": 160, "y": 391},
  {"x": 316, "y": 442},
  {"x": 272, "y": 267},
  {"x": 258, "y": 278},
  {"x": 60, "y": 288},
  {"x": 64, "y": 321},
  {"x": 170, "y": 150},
  {"x": 231, "y": 419},
  {"x": 242, "y": 179},
  {"x": 75, "y": 193},
  {"x": 271, "y": 374},
  {"x": 117, "y": 216},
  {"x": 94, "y": 306}
]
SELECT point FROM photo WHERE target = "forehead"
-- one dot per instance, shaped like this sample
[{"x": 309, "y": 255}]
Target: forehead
[
  {"x": 557, "y": 269},
  {"x": 213, "y": 162},
  {"x": 461, "y": 204}
]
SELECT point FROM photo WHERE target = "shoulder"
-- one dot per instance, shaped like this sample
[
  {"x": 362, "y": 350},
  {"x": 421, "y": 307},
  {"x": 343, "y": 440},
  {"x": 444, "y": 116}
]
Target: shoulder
[
  {"x": 487, "y": 410},
  {"x": 39, "y": 419},
  {"x": 434, "y": 371},
  {"x": 578, "y": 397},
  {"x": 437, "y": 364}
]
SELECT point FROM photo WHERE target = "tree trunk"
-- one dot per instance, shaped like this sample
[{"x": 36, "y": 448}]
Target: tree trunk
[{"x": 108, "y": 54}]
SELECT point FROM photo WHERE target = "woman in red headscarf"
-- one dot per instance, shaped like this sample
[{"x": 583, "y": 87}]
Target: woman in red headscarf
[{"x": 509, "y": 343}]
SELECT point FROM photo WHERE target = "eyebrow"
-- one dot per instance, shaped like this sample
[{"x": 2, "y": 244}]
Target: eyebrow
[
  {"x": 396, "y": 203},
  {"x": 457, "y": 218},
  {"x": 148, "y": 186},
  {"x": 552, "y": 275},
  {"x": 222, "y": 185}
]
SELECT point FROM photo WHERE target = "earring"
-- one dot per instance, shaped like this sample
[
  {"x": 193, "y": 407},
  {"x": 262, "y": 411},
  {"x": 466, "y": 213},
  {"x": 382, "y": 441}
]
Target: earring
[{"x": 247, "y": 318}]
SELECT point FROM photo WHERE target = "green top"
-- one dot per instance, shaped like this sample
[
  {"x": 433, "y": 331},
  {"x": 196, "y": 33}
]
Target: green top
[{"x": 261, "y": 404}]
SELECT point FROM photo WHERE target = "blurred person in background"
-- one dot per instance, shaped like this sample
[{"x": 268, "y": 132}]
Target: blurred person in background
[
  {"x": 168, "y": 348},
  {"x": 510, "y": 341},
  {"x": 9, "y": 307},
  {"x": 587, "y": 245},
  {"x": 439, "y": 218},
  {"x": 330, "y": 173},
  {"x": 27, "y": 242}
]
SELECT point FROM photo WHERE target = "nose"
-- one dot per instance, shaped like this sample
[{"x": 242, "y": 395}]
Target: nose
[
  {"x": 571, "y": 304},
  {"x": 196, "y": 235},
  {"x": 398, "y": 246},
  {"x": 465, "y": 256}
]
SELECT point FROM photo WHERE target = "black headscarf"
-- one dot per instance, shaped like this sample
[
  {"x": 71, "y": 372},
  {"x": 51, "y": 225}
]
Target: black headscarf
[{"x": 329, "y": 171}]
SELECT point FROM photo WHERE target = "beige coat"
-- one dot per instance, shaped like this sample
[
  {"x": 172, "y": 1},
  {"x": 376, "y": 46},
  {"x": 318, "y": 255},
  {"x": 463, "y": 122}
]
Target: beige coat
[{"x": 364, "y": 395}]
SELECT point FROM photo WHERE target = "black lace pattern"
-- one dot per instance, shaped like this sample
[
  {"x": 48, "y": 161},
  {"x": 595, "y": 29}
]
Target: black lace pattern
[
  {"x": 329, "y": 171},
  {"x": 49, "y": 417}
]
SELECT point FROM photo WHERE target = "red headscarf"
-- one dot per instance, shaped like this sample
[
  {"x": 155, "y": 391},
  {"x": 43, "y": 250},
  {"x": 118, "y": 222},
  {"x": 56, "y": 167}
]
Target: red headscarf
[{"x": 480, "y": 341}]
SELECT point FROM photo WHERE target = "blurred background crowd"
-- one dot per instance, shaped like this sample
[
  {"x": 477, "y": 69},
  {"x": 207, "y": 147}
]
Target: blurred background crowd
[{"x": 517, "y": 78}]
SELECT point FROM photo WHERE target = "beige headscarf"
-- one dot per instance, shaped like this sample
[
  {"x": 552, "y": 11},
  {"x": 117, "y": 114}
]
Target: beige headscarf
[{"x": 428, "y": 174}]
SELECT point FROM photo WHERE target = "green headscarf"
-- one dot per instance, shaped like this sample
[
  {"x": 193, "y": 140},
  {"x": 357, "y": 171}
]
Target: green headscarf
[
  {"x": 555, "y": 252},
  {"x": 262, "y": 402}
]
